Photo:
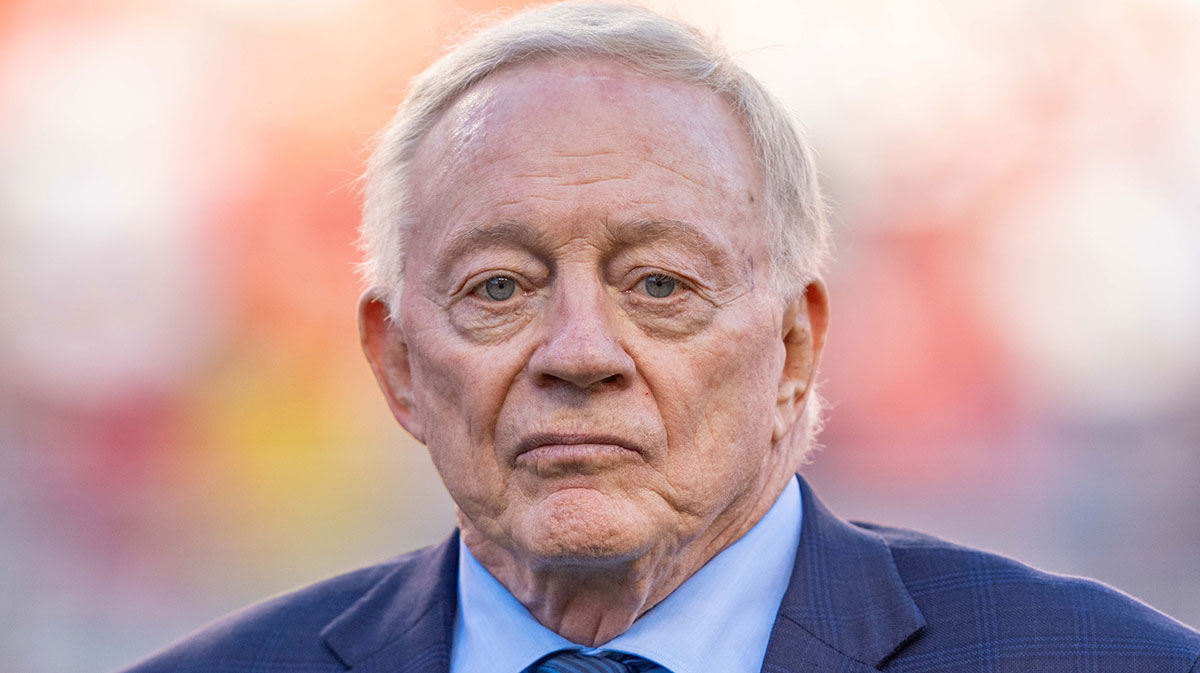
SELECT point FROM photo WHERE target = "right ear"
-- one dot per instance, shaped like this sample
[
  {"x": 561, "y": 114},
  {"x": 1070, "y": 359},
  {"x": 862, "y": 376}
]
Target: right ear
[{"x": 384, "y": 345}]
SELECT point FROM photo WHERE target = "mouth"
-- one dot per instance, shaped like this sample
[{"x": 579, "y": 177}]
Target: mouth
[{"x": 547, "y": 452}]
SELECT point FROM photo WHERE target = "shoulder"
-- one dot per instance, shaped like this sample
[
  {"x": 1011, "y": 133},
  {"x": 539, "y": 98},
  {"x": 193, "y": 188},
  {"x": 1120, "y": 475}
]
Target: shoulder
[
  {"x": 982, "y": 606},
  {"x": 283, "y": 632}
]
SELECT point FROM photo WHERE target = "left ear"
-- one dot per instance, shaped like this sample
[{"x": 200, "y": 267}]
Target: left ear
[
  {"x": 384, "y": 344},
  {"x": 805, "y": 320}
]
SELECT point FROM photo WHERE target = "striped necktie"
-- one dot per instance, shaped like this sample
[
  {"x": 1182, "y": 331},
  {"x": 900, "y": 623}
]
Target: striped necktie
[{"x": 570, "y": 661}]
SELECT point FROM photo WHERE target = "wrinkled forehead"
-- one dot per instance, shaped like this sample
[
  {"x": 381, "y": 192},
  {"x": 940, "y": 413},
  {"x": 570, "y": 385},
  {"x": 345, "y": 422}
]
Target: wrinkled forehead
[{"x": 519, "y": 119}]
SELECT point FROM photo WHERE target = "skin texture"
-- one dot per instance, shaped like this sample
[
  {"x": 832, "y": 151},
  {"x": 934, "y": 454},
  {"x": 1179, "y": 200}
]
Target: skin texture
[{"x": 601, "y": 443}]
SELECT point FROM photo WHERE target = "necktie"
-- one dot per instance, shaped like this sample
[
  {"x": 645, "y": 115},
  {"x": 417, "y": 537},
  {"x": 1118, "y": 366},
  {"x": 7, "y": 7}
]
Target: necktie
[{"x": 569, "y": 661}]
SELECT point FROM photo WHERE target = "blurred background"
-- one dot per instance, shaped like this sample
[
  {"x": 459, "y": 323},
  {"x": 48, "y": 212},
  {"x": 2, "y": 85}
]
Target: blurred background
[{"x": 186, "y": 423}]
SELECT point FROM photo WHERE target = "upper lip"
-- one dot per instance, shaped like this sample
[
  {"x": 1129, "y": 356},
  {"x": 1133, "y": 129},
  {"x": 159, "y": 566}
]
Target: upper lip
[{"x": 533, "y": 441}]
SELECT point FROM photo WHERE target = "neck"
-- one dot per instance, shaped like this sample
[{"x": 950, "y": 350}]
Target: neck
[{"x": 591, "y": 603}]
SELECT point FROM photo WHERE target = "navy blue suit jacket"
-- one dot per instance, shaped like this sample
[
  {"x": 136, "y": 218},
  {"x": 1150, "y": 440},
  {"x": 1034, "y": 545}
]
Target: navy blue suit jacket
[{"x": 862, "y": 598}]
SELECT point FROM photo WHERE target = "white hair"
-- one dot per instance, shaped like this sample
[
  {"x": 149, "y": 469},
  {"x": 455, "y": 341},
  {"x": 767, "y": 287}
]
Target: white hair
[{"x": 649, "y": 43}]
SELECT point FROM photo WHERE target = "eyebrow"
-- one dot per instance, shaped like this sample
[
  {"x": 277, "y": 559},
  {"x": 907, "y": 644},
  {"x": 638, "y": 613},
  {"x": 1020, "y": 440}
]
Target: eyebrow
[
  {"x": 635, "y": 232},
  {"x": 629, "y": 233},
  {"x": 504, "y": 233}
]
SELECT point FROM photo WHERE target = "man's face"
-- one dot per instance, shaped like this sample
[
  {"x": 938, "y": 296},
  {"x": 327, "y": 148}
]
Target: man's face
[{"x": 593, "y": 351}]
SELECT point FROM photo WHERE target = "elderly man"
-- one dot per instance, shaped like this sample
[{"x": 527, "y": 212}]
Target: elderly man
[{"x": 594, "y": 244}]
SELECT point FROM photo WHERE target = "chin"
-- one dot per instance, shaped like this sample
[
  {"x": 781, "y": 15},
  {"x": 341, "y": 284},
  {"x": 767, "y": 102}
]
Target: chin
[{"x": 586, "y": 526}]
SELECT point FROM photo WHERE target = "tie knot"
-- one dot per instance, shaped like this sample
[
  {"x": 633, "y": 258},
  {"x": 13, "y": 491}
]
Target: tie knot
[{"x": 570, "y": 661}]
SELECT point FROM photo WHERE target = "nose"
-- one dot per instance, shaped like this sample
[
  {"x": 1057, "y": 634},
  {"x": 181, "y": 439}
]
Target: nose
[{"x": 580, "y": 347}]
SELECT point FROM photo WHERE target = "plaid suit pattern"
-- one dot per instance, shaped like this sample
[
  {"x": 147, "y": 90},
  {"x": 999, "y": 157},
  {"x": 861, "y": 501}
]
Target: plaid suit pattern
[
  {"x": 862, "y": 598},
  {"x": 866, "y": 597}
]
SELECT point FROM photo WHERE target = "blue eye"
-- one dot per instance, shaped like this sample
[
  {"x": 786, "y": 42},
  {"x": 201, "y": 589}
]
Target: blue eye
[
  {"x": 659, "y": 285},
  {"x": 500, "y": 288}
]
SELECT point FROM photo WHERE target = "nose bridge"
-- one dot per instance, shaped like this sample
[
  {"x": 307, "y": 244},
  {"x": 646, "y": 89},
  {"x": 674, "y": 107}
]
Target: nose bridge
[{"x": 581, "y": 345}]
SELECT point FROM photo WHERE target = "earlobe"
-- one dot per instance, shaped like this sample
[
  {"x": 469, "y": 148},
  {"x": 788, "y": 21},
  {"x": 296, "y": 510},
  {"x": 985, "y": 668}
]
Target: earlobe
[
  {"x": 387, "y": 352},
  {"x": 805, "y": 320}
]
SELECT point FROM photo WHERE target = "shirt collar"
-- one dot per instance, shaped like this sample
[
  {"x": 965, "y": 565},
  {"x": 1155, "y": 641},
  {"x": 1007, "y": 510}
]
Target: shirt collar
[{"x": 720, "y": 619}]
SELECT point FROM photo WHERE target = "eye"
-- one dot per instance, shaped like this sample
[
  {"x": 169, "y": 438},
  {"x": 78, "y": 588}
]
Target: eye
[
  {"x": 499, "y": 288},
  {"x": 659, "y": 285}
]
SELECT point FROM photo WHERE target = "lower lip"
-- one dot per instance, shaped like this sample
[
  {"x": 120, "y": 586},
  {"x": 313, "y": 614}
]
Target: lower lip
[{"x": 583, "y": 455}]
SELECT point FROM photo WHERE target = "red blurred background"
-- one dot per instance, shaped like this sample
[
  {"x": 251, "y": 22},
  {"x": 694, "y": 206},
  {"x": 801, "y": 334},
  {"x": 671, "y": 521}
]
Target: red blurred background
[{"x": 186, "y": 423}]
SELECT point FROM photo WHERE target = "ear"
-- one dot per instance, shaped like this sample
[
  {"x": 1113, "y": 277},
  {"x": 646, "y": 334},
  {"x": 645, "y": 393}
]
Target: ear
[
  {"x": 805, "y": 320},
  {"x": 384, "y": 345}
]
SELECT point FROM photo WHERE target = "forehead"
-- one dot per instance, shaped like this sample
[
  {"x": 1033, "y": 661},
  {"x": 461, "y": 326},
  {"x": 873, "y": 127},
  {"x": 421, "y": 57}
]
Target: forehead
[{"x": 591, "y": 133}]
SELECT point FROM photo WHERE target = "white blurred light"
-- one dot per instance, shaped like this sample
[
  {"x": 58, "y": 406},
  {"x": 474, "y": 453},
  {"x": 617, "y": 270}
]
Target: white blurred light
[
  {"x": 1099, "y": 286},
  {"x": 103, "y": 280}
]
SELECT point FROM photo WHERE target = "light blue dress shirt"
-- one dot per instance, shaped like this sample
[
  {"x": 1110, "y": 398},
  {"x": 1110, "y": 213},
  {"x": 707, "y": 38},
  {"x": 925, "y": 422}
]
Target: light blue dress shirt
[{"x": 720, "y": 619}]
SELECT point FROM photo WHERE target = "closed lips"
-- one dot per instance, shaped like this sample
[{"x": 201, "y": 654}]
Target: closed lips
[{"x": 547, "y": 440}]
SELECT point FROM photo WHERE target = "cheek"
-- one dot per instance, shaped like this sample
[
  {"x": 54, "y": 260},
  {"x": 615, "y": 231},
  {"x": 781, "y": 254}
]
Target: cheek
[
  {"x": 718, "y": 406},
  {"x": 458, "y": 381},
  {"x": 460, "y": 389}
]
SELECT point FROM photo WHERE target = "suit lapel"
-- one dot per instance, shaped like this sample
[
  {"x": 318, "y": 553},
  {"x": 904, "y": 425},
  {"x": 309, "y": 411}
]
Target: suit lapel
[
  {"x": 405, "y": 623},
  {"x": 846, "y": 608}
]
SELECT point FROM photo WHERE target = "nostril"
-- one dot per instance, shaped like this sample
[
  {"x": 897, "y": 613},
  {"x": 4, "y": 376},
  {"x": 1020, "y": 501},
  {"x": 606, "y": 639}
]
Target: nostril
[{"x": 582, "y": 380}]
